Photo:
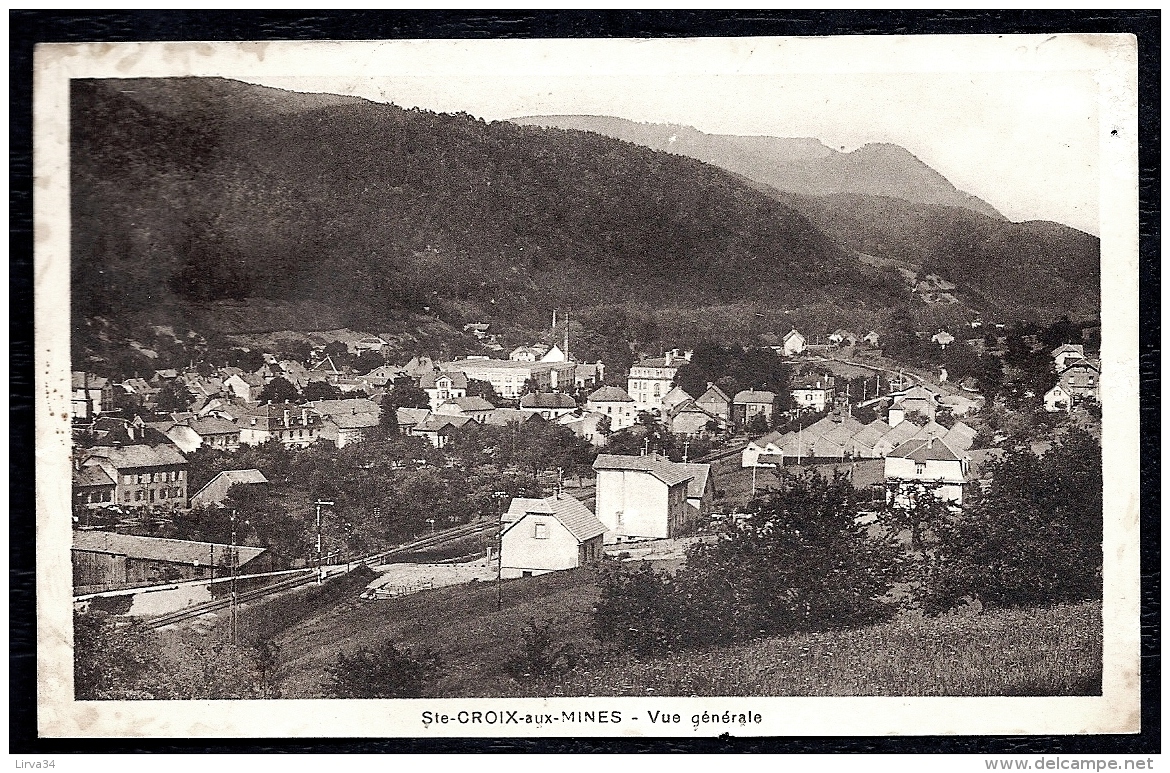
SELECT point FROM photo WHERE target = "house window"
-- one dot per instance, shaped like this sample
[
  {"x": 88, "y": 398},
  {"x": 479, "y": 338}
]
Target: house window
[
  {"x": 920, "y": 468},
  {"x": 540, "y": 530},
  {"x": 126, "y": 496},
  {"x": 127, "y": 479},
  {"x": 657, "y": 389},
  {"x": 138, "y": 495},
  {"x": 163, "y": 493}
]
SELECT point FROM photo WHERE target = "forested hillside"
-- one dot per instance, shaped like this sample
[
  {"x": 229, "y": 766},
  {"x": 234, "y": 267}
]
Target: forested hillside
[{"x": 188, "y": 192}]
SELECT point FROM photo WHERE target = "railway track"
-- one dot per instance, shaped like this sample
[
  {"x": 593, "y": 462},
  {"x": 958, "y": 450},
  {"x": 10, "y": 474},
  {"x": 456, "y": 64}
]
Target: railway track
[{"x": 431, "y": 540}]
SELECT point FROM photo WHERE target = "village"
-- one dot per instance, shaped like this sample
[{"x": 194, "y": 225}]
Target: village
[{"x": 635, "y": 470}]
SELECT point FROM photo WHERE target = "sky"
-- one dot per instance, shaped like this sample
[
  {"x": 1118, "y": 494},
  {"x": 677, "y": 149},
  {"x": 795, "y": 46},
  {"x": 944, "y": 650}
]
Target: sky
[{"x": 1027, "y": 142}]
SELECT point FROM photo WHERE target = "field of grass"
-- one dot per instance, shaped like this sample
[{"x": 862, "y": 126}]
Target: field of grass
[{"x": 1052, "y": 651}]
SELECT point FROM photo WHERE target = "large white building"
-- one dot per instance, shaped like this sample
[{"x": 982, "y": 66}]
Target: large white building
[
  {"x": 925, "y": 465},
  {"x": 643, "y": 497},
  {"x": 650, "y": 380},
  {"x": 508, "y": 377}
]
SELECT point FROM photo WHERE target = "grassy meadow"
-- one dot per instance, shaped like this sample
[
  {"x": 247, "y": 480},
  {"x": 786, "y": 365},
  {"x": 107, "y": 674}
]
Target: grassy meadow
[{"x": 1047, "y": 651}]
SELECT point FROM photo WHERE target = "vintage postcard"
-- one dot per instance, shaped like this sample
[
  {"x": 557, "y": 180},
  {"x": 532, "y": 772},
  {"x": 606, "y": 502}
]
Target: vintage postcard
[{"x": 754, "y": 386}]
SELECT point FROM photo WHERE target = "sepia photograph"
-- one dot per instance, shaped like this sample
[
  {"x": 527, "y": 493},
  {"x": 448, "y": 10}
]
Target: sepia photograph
[{"x": 657, "y": 385}]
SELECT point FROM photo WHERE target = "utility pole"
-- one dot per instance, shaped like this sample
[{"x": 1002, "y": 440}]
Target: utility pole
[
  {"x": 319, "y": 503},
  {"x": 500, "y": 496},
  {"x": 234, "y": 614}
]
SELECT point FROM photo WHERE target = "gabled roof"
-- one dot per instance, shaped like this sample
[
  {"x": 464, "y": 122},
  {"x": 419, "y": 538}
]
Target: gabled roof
[
  {"x": 754, "y": 397},
  {"x": 610, "y": 394},
  {"x": 458, "y": 379},
  {"x": 676, "y": 395},
  {"x": 501, "y": 417},
  {"x": 230, "y": 478},
  {"x": 320, "y": 367},
  {"x": 437, "y": 422},
  {"x": 175, "y": 551},
  {"x": 129, "y": 457},
  {"x": 664, "y": 470},
  {"x": 916, "y": 392},
  {"x": 775, "y": 436},
  {"x": 900, "y": 434},
  {"x": 211, "y": 425},
  {"x": 960, "y": 437},
  {"x": 870, "y": 433},
  {"x": 91, "y": 476},
  {"x": 1082, "y": 363},
  {"x": 573, "y": 515},
  {"x": 698, "y": 482},
  {"x": 1078, "y": 349},
  {"x": 931, "y": 429},
  {"x": 411, "y": 416},
  {"x": 547, "y": 400},
  {"x": 712, "y": 394},
  {"x": 791, "y": 333},
  {"x": 349, "y": 407},
  {"x": 811, "y": 382},
  {"x": 925, "y": 449}
]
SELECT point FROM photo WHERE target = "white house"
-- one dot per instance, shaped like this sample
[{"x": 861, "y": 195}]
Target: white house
[
  {"x": 793, "y": 343},
  {"x": 293, "y": 426},
  {"x": 769, "y": 444},
  {"x": 643, "y": 497},
  {"x": 1056, "y": 399},
  {"x": 812, "y": 393},
  {"x": 441, "y": 387},
  {"x": 925, "y": 464},
  {"x": 615, "y": 403},
  {"x": 554, "y": 354},
  {"x": 547, "y": 535},
  {"x": 943, "y": 339}
]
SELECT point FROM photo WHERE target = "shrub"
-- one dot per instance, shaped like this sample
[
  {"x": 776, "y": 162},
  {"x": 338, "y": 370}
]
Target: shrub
[
  {"x": 540, "y": 656},
  {"x": 383, "y": 672}
]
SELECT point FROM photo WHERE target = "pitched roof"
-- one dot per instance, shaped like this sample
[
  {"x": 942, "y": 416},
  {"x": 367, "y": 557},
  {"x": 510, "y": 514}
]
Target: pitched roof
[
  {"x": 811, "y": 382},
  {"x": 353, "y": 420},
  {"x": 212, "y": 425},
  {"x": 1074, "y": 348},
  {"x": 698, "y": 482},
  {"x": 175, "y": 551},
  {"x": 923, "y": 449},
  {"x": 436, "y": 422},
  {"x": 348, "y": 407},
  {"x": 573, "y": 515},
  {"x": 754, "y": 397},
  {"x": 960, "y": 437},
  {"x": 91, "y": 476},
  {"x": 931, "y": 429},
  {"x": 900, "y": 433},
  {"x": 713, "y": 393},
  {"x": 547, "y": 400},
  {"x": 127, "y": 457},
  {"x": 870, "y": 433},
  {"x": 411, "y": 415},
  {"x": 610, "y": 394},
  {"x": 503, "y": 416},
  {"x": 775, "y": 436},
  {"x": 791, "y": 333},
  {"x": 666, "y": 471},
  {"x": 458, "y": 379}
]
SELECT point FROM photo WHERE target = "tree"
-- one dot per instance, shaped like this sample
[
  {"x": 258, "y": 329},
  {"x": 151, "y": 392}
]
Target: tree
[
  {"x": 757, "y": 424},
  {"x": 173, "y": 396},
  {"x": 110, "y": 661},
  {"x": 321, "y": 390},
  {"x": 383, "y": 672},
  {"x": 406, "y": 395},
  {"x": 540, "y": 655},
  {"x": 1035, "y": 537},
  {"x": 479, "y": 388},
  {"x": 279, "y": 390}
]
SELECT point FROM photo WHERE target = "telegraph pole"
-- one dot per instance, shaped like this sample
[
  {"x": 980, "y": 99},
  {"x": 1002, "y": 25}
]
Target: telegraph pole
[
  {"x": 500, "y": 495},
  {"x": 234, "y": 613},
  {"x": 319, "y": 503}
]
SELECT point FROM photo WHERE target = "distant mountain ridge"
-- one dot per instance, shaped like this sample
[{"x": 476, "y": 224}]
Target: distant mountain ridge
[{"x": 795, "y": 165}]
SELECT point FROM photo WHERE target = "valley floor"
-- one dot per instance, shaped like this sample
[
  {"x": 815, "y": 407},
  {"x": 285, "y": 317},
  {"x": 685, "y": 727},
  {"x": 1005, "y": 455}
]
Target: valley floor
[{"x": 1047, "y": 651}]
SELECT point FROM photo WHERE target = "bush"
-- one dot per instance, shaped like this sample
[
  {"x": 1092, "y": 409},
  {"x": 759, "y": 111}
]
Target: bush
[
  {"x": 802, "y": 564},
  {"x": 383, "y": 672},
  {"x": 1035, "y": 538},
  {"x": 540, "y": 656}
]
